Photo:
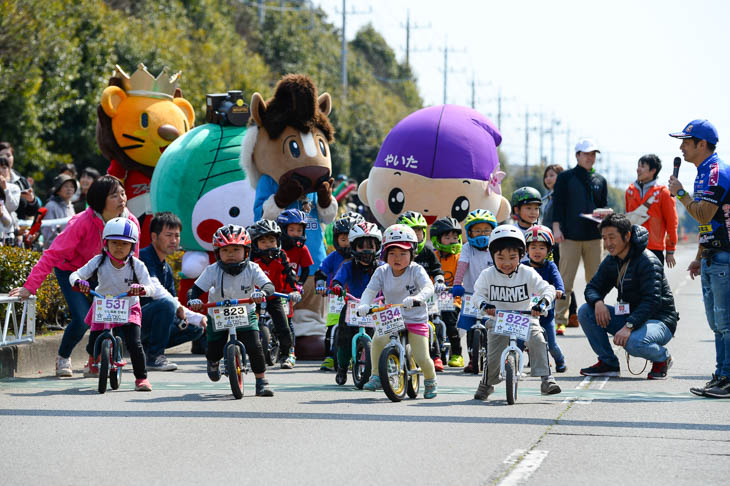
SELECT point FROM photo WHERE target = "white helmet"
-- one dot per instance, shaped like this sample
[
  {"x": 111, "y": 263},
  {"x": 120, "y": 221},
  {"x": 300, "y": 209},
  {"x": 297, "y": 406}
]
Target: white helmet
[
  {"x": 400, "y": 235},
  {"x": 121, "y": 229},
  {"x": 505, "y": 234},
  {"x": 365, "y": 229}
]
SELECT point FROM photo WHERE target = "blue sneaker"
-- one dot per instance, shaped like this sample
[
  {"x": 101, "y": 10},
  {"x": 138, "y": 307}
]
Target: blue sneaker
[
  {"x": 430, "y": 391},
  {"x": 373, "y": 384}
]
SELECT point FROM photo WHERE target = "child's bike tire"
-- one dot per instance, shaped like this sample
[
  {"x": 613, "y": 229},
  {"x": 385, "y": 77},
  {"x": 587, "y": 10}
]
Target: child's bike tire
[
  {"x": 234, "y": 368},
  {"x": 392, "y": 374},
  {"x": 362, "y": 367},
  {"x": 511, "y": 378},
  {"x": 115, "y": 373},
  {"x": 414, "y": 381},
  {"x": 104, "y": 364},
  {"x": 266, "y": 343},
  {"x": 476, "y": 350}
]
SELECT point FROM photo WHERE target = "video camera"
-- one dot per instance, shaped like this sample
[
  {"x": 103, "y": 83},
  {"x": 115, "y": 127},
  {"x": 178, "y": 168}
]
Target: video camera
[{"x": 227, "y": 109}]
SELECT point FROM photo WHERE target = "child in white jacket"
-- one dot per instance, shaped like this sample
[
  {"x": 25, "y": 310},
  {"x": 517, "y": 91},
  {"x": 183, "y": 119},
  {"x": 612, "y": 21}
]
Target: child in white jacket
[{"x": 511, "y": 285}]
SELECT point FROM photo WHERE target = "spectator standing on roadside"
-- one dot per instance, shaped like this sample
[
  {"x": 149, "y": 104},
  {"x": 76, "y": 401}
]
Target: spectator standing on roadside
[
  {"x": 10, "y": 195},
  {"x": 652, "y": 206},
  {"x": 29, "y": 204},
  {"x": 577, "y": 191},
  {"x": 88, "y": 176},
  {"x": 548, "y": 180},
  {"x": 59, "y": 206},
  {"x": 711, "y": 208},
  {"x": 162, "y": 313},
  {"x": 644, "y": 319}
]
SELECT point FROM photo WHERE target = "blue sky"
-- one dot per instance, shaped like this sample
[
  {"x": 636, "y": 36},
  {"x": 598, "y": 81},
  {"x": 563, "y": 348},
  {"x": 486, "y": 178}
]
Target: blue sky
[{"x": 622, "y": 72}]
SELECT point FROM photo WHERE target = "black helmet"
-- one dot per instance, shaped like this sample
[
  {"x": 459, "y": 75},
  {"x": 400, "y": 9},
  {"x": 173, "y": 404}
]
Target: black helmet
[
  {"x": 342, "y": 226},
  {"x": 442, "y": 226},
  {"x": 525, "y": 195},
  {"x": 260, "y": 229}
]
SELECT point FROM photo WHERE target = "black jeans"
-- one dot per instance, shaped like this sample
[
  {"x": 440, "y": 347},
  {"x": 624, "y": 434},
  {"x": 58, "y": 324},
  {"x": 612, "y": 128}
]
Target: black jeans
[
  {"x": 281, "y": 324},
  {"x": 450, "y": 318},
  {"x": 250, "y": 339},
  {"x": 130, "y": 334},
  {"x": 659, "y": 254}
]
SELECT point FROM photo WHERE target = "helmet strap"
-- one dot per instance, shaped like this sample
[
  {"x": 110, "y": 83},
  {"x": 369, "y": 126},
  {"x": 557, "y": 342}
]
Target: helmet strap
[{"x": 116, "y": 260}]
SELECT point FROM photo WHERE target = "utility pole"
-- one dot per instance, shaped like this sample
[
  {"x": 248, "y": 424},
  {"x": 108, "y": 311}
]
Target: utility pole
[
  {"x": 567, "y": 147},
  {"x": 261, "y": 12},
  {"x": 527, "y": 138},
  {"x": 446, "y": 67},
  {"x": 474, "y": 85},
  {"x": 343, "y": 49},
  {"x": 408, "y": 28},
  {"x": 542, "y": 136},
  {"x": 553, "y": 126}
]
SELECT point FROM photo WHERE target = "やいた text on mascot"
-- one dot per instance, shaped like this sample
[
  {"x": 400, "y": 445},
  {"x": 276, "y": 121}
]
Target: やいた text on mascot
[{"x": 286, "y": 155}]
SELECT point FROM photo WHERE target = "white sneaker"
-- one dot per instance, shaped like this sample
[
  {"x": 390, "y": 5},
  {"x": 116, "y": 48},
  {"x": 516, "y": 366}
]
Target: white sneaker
[{"x": 63, "y": 367}]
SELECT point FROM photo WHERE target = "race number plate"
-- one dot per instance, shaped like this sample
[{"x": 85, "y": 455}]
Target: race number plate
[
  {"x": 228, "y": 317},
  {"x": 433, "y": 305},
  {"x": 353, "y": 319},
  {"x": 446, "y": 301},
  {"x": 111, "y": 311},
  {"x": 335, "y": 303},
  {"x": 468, "y": 308},
  {"x": 512, "y": 323},
  {"x": 388, "y": 321}
]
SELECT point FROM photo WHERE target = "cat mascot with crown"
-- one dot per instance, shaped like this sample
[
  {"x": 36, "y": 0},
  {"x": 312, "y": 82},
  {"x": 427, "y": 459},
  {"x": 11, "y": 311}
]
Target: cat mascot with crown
[{"x": 138, "y": 117}]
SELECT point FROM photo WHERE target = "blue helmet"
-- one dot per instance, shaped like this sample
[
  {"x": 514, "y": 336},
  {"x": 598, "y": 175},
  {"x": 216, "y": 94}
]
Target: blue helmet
[
  {"x": 292, "y": 216},
  {"x": 479, "y": 216}
]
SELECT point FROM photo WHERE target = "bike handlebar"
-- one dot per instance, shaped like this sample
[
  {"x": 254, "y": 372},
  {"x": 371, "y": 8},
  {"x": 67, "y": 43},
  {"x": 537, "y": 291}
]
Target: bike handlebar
[
  {"x": 97, "y": 294},
  {"x": 227, "y": 302}
]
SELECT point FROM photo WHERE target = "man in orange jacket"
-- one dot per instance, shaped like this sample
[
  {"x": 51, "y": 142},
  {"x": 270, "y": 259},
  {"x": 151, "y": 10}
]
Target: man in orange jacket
[{"x": 652, "y": 206}]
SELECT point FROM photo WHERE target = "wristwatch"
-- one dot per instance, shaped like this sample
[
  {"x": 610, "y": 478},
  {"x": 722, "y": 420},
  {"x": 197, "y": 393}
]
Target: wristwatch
[
  {"x": 629, "y": 326},
  {"x": 681, "y": 193}
]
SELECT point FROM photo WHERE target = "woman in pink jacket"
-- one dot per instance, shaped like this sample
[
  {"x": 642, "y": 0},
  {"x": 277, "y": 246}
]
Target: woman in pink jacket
[{"x": 77, "y": 244}]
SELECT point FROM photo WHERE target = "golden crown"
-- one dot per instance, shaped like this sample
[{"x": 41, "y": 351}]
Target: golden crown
[{"x": 142, "y": 83}]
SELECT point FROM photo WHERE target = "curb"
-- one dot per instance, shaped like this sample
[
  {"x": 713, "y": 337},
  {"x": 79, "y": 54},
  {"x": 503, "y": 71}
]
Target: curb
[{"x": 38, "y": 357}]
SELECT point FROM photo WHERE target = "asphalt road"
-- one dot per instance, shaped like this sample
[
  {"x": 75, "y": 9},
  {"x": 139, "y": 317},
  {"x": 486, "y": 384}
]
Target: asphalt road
[{"x": 188, "y": 430}]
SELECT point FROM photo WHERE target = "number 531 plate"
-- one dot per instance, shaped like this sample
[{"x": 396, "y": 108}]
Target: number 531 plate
[{"x": 512, "y": 323}]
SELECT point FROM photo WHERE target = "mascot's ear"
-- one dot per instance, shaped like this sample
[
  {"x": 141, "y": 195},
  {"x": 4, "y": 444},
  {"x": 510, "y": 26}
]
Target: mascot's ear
[
  {"x": 362, "y": 191},
  {"x": 504, "y": 210},
  {"x": 325, "y": 103},
  {"x": 258, "y": 108},
  {"x": 111, "y": 98},
  {"x": 186, "y": 108}
]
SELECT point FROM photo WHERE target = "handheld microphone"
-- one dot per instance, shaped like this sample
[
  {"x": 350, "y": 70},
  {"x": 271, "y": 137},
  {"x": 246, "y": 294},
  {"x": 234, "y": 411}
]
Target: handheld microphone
[{"x": 677, "y": 163}]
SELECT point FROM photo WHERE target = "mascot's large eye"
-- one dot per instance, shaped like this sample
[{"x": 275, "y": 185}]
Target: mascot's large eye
[
  {"x": 144, "y": 120},
  {"x": 396, "y": 201},
  {"x": 460, "y": 208},
  {"x": 294, "y": 149},
  {"x": 234, "y": 212},
  {"x": 322, "y": 148}
]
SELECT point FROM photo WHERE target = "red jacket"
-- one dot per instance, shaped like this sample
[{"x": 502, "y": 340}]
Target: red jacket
[{"x": 662, "y": 222}]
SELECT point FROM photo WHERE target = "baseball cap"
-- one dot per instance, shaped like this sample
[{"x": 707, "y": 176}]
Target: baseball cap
[
  {"x": 586, "y": 145},
  {"x": 702, "y": 129}
]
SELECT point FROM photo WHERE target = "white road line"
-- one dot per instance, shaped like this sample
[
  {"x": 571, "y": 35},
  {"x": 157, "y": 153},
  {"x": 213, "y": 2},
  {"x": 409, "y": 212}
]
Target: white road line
[
  {"x": 524, "y": 469},
  {"x": 601, "y": 384},
  {"x": 580, "y": 386},
  {"x": 681, "y": 284}
]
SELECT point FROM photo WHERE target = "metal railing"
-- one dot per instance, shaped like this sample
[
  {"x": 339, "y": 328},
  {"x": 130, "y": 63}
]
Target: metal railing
[{"x": 23, "y": 331}]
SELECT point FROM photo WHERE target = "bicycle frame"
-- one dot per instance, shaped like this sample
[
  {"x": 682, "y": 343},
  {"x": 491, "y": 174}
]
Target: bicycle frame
[
  {"x": 513, "y": 347},
  {"x": 107, "y": 334},
  {"x": 232, "y": 338}
]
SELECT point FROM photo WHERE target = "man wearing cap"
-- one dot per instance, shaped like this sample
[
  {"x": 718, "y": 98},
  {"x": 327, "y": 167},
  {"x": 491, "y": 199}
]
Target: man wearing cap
[
  {"x": 577, "y": 191},
  {"x": 59, "y": 207},
  {"x": 711, "y": 208}
]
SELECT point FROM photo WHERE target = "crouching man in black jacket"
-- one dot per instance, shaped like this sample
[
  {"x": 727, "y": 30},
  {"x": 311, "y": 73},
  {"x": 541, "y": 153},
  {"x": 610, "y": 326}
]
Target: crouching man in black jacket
[{"x": 644, "y": 318}]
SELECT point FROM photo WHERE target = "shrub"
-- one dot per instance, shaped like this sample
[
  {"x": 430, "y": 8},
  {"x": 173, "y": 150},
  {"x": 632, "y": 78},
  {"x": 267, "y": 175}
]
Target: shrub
[{"x": 15, "y": 266}]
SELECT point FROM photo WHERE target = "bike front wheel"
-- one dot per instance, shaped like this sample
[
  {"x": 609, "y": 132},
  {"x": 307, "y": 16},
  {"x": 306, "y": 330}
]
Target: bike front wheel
[
  {"x": 269, "y": 356},
  {"x": 234, "y": 369},
  {"x": 362, "y": 366},
  {"x": 476, "y": 351},
  {"x": 115, "y": 373},
  {"x": 511, "y": 378},
  {"x": 392, "y": 374},
  {"x": 104, "y": 364}
]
